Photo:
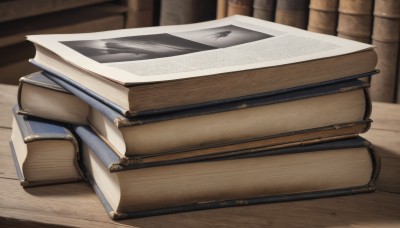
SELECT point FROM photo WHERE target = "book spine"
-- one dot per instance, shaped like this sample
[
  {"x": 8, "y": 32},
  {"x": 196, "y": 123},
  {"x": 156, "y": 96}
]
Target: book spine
[
  {"x": 386, "y": 39},
  {"x": 376, "y": 162},
  {"x": 24, "y": 183},
  {"x": 355, "y": 20},
  {"x": 292, "y": 13},
  {"x": 18, "y": 170},
  {"x": 186, "y": 11},
  {"x": 221, "y": 8},
  {"x": 140, "y": 13},
  {"x": 110, "y": 159},
  {"x": 264, "y": 9},
  {"x": 241, "y": 7},
  {"x": 323, "y": 16}
]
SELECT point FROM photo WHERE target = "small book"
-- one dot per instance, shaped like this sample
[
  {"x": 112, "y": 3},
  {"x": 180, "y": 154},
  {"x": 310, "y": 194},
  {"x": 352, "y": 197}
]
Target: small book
[
  {"x": 336, "y": 168},
  {"x": 145, "y": 71},
  {"x": 41, "y": 97},
  {"x": 274, "y": 121},
  {"x": 44, "y": 152}
]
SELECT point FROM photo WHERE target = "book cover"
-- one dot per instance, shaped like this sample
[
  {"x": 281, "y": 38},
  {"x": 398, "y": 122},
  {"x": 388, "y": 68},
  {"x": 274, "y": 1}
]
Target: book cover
[
  {"x": 40, "y": 97},
  {"x": 35, "y": 129},
  {"x": 318, "y": 148}
]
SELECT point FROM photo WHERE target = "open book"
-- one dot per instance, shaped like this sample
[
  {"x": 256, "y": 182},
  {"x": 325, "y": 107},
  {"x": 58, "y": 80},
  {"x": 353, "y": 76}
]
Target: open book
[{"x": 159, "y": 69}]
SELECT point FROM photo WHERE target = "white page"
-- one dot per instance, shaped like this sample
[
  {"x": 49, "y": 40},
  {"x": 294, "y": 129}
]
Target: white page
[{"x": 154, "y": 54}]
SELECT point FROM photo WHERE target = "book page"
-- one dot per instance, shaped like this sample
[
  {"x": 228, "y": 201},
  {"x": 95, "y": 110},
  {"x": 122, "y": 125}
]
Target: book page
[{"x": 154, "y": 54}]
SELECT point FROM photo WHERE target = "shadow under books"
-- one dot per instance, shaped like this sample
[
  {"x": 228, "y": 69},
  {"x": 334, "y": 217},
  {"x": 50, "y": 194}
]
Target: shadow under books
[{"x": 71, "y": 189}]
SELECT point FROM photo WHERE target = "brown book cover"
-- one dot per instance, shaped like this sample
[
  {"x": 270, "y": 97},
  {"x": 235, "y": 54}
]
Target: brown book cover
[
  {"x": 264, "y": 9},
  {"x": 355, "y": 20},
  {"x": 323, "y": 16},
  {"x": 293, "y": 13},
  {"x": 241, "y": 7},
  {"x": 386, "y": 39}
]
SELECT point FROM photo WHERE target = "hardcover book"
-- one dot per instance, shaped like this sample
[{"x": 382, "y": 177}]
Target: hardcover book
[
  {"x": 41, "y": 97},
  {"x": 386, "y": 37},
  {"x": 274, "y": 121},
  {"x": 44, "y": 152},
  {"x": 164, "y": 69},
  {"x": 336, "y": 168},
  {"x": 323, "y": 16},
  {"x": 355, "y": 20}
]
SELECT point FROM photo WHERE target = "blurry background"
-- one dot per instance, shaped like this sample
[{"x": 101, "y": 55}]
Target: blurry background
[{"x": 369, "y": 21}]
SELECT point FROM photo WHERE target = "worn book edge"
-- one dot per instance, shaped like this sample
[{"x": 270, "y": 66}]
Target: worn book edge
[
  {"x": 116, "y": 162},
  {"x": 24, "y": 183},
  {"x": 29, "y": 135},
  {"x": 38, "y": 79},
  {"x": 121, "y": 121},
  {"x": 370, "y": 187},
  {"x": 60, "y": 79}
]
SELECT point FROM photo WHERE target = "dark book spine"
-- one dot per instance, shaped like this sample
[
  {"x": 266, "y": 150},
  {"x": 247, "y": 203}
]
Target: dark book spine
[
  {"x": 386, "y": 39},
  {"x": 175, "y": 12},
  {"x": 140, "y": 13},
  {"x": 355, "y": 20},
  {"x": 292, "y": 13},
  {"x": 323, "y": 16},
  {"x": 264, "y": 9},
  {"x": 241, "y": 7}
]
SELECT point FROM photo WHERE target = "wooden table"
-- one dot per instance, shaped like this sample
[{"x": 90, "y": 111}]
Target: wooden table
[{"x": 77, "y": 205}]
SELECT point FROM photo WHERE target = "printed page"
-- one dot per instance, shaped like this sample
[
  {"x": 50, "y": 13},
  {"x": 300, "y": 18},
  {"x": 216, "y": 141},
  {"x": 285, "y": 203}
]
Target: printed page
[{"x": 154, "y": 54}]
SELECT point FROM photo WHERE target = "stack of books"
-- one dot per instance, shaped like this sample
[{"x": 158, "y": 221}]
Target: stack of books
[{"x": 230, "y": 112}]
